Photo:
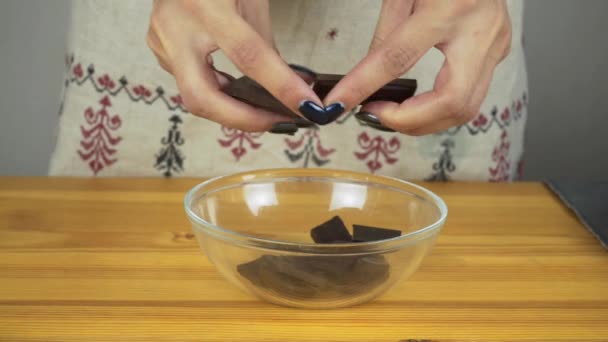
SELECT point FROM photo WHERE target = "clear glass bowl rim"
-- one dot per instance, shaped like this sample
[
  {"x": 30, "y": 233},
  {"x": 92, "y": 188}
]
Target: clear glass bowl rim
[{"x": 313, "y": 248}]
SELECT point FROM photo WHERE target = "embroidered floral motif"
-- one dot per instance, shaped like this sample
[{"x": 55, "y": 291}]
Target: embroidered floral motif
[
  {"x": 142, "y": 91},
  {"x": 308, "y": 147},
  {"x": 241, "y": 139},
  {"x": 501, "y": 171},
  {"x": 445, "y": 164},
  {"x": 480, "y": 121},
  {"x": 303, "y": 148},
  {"x": 106, "y": 84},
  {"x": 98, "y": 141},
  {"x": 170, "y": 159},
  {"x": 332, "y": 33},
  {"x": 503, "y": 119},
  {"x": 377, "y": 149}
]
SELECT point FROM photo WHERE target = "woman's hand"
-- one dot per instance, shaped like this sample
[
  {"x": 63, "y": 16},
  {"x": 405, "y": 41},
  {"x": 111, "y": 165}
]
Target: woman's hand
[
  {"x": 474, "y": 36},
  {"x": 184, "y": 33}
]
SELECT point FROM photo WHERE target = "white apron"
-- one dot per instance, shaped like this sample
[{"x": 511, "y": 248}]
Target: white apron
[{"x": 121, "y": 114}]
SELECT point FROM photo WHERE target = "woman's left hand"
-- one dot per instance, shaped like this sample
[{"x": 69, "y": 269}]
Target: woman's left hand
[{"x": 474, "y": 36}]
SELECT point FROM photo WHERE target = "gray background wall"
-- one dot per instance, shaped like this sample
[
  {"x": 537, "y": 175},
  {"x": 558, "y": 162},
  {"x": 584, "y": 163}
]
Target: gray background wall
[{"x": 566, "y": 46}]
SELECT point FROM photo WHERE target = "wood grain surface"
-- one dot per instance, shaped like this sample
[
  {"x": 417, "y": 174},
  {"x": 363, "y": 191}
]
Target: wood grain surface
[{"x": 114, "y": 259}]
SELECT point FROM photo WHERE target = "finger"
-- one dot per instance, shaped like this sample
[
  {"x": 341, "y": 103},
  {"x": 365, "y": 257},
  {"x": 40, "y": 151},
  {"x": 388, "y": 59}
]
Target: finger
[
  {"x": 426, "y": 128},
  {"x": 223, "y": 79},
  {"x": 482, "y": 86},
  {"x": 257, "y": 14},
  {"x": 201, "y": 94},
  {"x": 401, "y": 50},
  {"x": 392, "y": 14},
  {"x": 449, "y": 103},
  {"x": 479, "y": 94},
  {"x": 256, "y": 59},
  {"x": 155, "y": 45}
]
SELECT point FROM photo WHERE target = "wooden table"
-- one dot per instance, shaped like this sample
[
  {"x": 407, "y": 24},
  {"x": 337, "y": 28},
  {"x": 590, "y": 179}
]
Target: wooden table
[{"x": 113, "y": 259}]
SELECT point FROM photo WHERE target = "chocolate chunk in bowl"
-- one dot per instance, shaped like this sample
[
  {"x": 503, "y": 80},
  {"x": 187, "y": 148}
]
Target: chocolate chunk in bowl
[
  {"x": 318, "y": 277},
  {"x": 332, "y": 231},
  {"x": 365, "y": 233}
]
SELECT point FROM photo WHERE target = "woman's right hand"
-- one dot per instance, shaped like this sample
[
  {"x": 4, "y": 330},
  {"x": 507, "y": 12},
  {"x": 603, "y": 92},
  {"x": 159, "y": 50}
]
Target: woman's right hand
[{"x": 184, "y": 33}]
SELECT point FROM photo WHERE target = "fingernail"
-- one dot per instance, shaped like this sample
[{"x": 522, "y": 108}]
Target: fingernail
[
  {"x": 313, "y": 112},
  {"x": 303, "y": 123},
  {"x": 372, "y": 121},
  {"x": 304, "y": 70},
  {"x": 368, "y": 117},
  {"x": 334, "y": 110},
  {"x": 283, "y": 128}
]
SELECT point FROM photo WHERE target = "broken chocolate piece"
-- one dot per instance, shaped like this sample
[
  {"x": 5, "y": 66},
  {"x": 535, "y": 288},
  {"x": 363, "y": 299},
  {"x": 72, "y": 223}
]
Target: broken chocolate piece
[
  {"x": 331, "y": 231},
  {"x": 249, "y": 91},
  {"x": 306, "y": 277},
  {"x": 367, "y": 234},
  {"x": 398, "y": 90}
]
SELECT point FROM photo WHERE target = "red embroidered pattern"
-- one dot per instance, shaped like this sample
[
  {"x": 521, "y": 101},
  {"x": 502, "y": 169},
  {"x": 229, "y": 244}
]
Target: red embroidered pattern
[
  {"x": 106, "y": 82},
  {"x": 376, "y": 148},
  {"x": 480, "y": 121},
  {"x": 242, "y": 139},
  {"x": 501, "y": 171},
  {"x": 177, "y": 99},
  {"x": 108, "y": 85},
  {"x": 332, "y": 33},
  {"x": 142, "y": 91},
  {"x": 97, "y": 140},
  {"x": 308, "y": 147},
  {"x": 77, "y": 71}
]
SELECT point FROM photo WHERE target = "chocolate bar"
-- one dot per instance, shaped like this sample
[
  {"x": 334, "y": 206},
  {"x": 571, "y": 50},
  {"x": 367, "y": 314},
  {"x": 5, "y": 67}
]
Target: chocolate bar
[
  {"x": 398, "y": 90},
  {"x": 366, "y": 234},
  {"x": 247, "y": 90},
  {"x": 332, "y": 231}
]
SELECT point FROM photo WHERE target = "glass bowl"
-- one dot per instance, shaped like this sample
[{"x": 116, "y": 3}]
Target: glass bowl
[{"x": 255, "y": 227}]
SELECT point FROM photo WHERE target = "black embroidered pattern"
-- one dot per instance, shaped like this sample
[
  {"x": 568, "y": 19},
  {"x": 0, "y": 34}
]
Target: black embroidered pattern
[
  {"x": 105, "y": 84},
  {"x": 170, "y": 159},
  {"x": 444, "y": 165},
  {"x": 480, "y": 124},
  {"x": 69, "y": 60}
]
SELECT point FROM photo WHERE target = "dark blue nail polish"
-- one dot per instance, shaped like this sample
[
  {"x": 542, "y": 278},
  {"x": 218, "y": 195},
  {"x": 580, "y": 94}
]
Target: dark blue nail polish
[
  {"x": 313, "y": 112},
  {"x": 333, "y": 111}
]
